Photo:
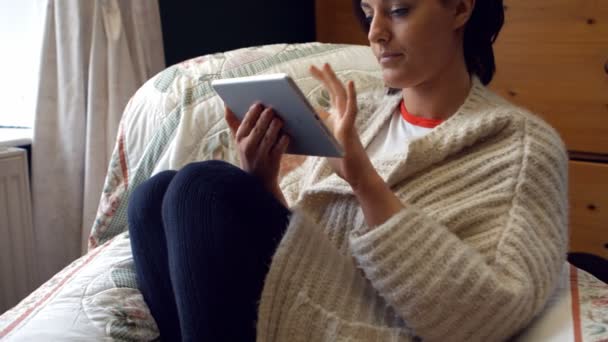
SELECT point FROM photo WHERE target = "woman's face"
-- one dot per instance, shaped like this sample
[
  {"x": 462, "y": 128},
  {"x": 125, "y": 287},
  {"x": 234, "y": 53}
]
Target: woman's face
[{"x": 414, "y": 40}]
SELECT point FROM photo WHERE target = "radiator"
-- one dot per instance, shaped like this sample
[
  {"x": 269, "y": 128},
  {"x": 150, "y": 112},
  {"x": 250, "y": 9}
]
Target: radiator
[{"x": 17, "y": 262}]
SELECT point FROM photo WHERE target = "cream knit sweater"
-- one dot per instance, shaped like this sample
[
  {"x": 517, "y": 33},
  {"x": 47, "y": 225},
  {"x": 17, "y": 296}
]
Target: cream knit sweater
[{"x": 474, "y": 255}]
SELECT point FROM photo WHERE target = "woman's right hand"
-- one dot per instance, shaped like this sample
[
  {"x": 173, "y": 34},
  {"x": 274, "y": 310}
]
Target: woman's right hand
[{"x": 261, "y": 144}]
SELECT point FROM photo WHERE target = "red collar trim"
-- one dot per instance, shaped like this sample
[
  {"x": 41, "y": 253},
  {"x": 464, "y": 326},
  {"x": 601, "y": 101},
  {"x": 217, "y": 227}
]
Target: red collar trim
[{"x": 416, "y": 120}]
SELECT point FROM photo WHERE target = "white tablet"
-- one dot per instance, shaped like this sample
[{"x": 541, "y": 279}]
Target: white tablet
[{"x": 308, "y": 135}]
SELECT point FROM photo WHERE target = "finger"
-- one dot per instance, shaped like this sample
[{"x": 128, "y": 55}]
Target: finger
[
  {"x": 351, "y": 112},
  {"x": 336, "y": 89},
  {"x": 337, "y": 86},
  {"x": 261, "y": 126},
  {"x": 280, "y": 148},
  {"x": 249, "y": 121},
  {"x": 271, "y": 136},
  {"x": 316, "y": 73},
  {"x": 320, "y": 76},
  {"x": 232, "y": 120}
]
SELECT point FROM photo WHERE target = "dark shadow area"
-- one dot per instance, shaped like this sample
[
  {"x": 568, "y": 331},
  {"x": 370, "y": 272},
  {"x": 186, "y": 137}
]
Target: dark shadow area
[
  {"x": 590, "y": 263},
  {"x": 195, "y": 27}
]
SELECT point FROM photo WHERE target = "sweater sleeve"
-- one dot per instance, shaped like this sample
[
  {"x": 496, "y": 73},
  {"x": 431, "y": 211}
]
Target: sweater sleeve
[{"x": 446, "y": 290}]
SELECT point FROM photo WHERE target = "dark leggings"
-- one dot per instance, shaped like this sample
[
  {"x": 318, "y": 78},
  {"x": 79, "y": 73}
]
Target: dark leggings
[{"x": 202, "y": 240}]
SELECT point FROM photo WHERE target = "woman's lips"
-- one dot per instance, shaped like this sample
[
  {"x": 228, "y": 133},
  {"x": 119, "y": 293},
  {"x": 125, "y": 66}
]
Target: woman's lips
[{"x": 389, "y": 57}]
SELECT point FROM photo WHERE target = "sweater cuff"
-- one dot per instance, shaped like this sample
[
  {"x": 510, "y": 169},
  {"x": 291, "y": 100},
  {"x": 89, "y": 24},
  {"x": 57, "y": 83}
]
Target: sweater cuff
[
  {"x": 364, "y": 230},
  {"x": 406, "y": 218}
]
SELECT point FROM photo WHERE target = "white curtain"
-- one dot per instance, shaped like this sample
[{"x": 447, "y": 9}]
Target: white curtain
[{"x": 95, "y": 55}]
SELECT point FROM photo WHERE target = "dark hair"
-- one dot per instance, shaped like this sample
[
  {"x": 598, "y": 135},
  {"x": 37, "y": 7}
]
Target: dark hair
[{"x": 480, "y": 33}]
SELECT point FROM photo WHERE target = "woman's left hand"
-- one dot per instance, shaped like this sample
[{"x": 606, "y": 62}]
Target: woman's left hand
[{"x": 355, "y": 166}]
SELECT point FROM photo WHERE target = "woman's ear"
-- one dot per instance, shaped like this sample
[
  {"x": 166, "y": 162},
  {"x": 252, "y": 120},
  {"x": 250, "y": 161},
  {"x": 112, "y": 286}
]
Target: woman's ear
[{"x": 463, "y": 12}]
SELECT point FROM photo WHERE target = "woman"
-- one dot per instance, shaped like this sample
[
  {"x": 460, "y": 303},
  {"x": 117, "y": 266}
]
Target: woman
[{"x": 445, "y": 220}]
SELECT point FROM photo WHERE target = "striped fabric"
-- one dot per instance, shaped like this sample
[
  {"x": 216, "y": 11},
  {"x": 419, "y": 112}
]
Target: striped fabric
[{"x": 474, "y": 255}]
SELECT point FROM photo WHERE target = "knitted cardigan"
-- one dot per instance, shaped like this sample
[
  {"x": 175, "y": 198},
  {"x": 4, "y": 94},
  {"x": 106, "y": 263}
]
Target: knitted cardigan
[{"x": 473, "y": 256}]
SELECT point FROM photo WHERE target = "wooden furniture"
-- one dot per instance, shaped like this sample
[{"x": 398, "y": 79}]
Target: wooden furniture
[
  {"x": 552, "y": 58},
  {"x": 589, "y": 208}
]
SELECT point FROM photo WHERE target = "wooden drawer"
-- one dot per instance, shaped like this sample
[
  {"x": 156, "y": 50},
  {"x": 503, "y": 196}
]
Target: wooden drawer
[
  {"x": 552, "y": 57},
  {"x": 589, "y": 208}
]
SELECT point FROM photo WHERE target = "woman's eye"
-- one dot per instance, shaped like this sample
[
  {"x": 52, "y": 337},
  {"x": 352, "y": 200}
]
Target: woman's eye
[
  {"x": 368, "y": 19},
  {"x": 398, "y": 12}
]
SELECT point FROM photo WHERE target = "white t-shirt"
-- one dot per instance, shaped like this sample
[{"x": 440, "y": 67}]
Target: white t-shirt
[{"x": 394, "y": 136}]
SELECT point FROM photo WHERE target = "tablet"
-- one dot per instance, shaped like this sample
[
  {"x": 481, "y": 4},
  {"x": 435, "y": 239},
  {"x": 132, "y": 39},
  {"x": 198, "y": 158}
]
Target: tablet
[{"x": 308, "y": 135}]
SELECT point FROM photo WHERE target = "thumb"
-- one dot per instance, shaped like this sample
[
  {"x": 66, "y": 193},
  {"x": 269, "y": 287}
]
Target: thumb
[
  {"x": 323, "y": 114},
  {"x": 326, "y": 117},
  {"x": 232, "y": 120}
]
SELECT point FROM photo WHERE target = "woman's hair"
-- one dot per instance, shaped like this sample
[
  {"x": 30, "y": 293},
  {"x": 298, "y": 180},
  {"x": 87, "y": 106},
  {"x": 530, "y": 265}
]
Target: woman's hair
[{"x": 479, "y": 34}]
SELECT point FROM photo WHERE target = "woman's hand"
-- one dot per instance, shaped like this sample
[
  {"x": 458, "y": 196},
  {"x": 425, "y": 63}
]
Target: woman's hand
[
  {"x": 355, "y": 166},
  {"x": 261, "y": 144},
  {"x": 377, "y": 200}
]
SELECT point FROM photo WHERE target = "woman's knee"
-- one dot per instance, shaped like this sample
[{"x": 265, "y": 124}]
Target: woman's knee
[
  {"x": 217, "y": 201},
  {"x": 199, "y": 185},
  {"x": 209, "y": 170},
  {"x": 212, "y": 175},
  {"x": 145, "y": 201}
]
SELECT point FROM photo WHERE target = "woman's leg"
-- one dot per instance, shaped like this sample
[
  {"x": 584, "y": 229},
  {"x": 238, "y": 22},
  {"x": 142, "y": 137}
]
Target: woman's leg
[
  {"x": 149, "y": 247},
  {"x": 222, "y": 230}
]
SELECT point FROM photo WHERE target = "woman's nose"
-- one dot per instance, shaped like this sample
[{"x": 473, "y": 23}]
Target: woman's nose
[{"x": 378, "y": 30}]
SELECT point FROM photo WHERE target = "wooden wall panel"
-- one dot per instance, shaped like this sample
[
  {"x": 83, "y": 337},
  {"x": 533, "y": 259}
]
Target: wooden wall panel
[
  {"x": 551, "y": 57},
  {"x": 589, "y": 208}
]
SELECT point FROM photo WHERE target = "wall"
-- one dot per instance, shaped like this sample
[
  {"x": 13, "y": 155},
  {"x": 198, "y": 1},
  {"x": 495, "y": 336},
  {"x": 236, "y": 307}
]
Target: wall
[{"x": 193, "y": 28}]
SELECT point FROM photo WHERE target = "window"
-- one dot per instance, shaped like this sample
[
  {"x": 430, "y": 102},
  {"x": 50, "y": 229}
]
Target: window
[{"x": 21, "y": 24}]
